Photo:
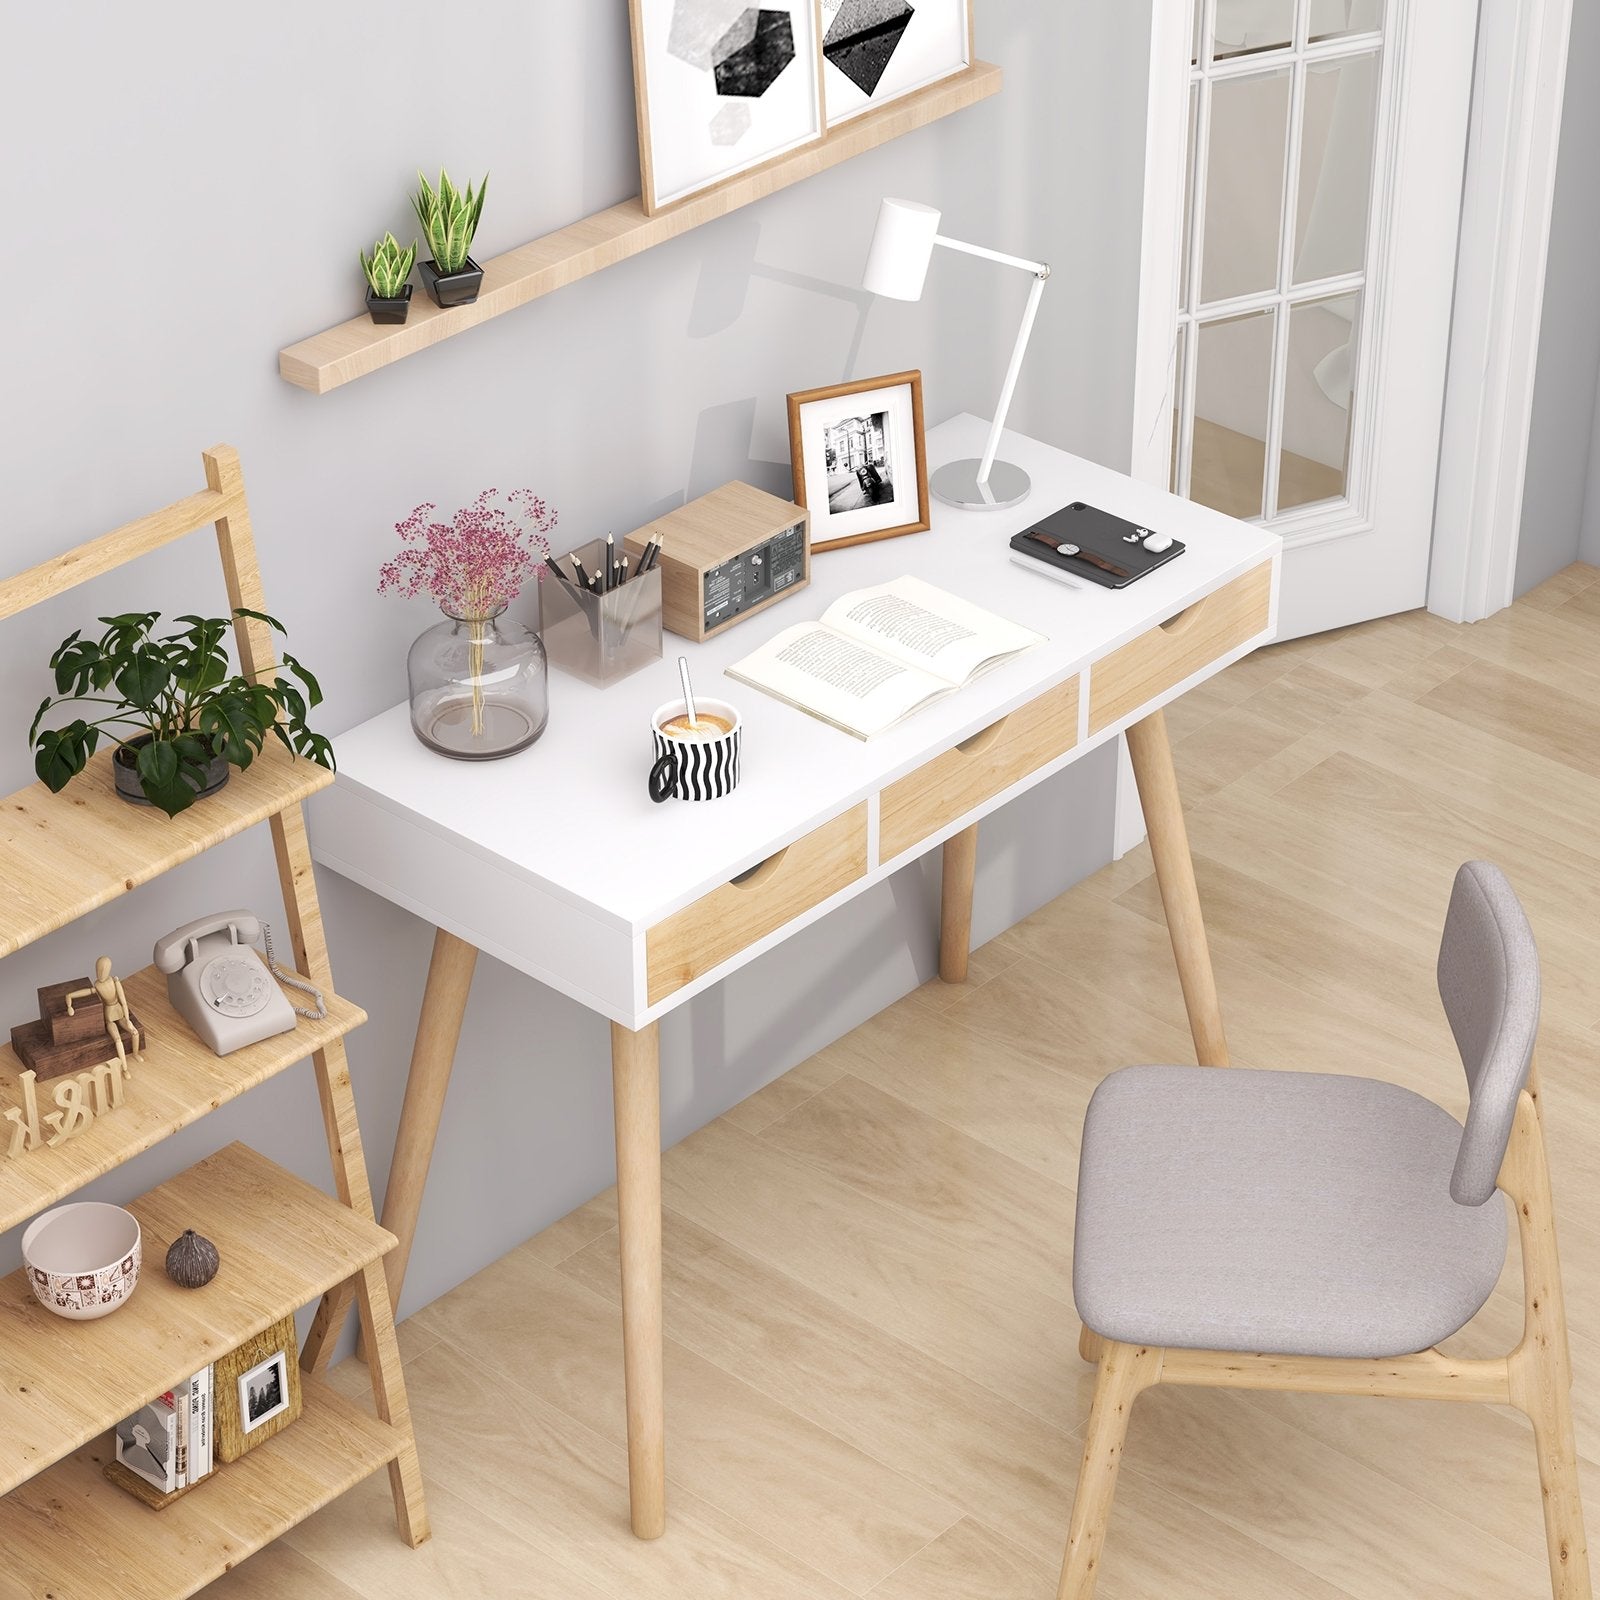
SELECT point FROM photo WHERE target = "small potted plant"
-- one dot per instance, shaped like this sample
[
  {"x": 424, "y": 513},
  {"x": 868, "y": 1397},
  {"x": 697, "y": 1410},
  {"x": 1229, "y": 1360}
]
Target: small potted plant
[
  {"x": 449, "y": 218},
  {"x": 388, "y": 269},
  {"x": 196, "y": 720}
]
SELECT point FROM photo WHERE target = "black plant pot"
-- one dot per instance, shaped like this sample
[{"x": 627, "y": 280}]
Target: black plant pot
[
  {"x": 382, "y": 309},
  {"x": 453, "y": 288},
  {"x": 125, "y": 774}
]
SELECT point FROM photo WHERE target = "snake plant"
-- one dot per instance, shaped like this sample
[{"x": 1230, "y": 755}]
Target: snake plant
[
  {"x": 388, "y": 267},
  {"x": 449, "y": 218}
]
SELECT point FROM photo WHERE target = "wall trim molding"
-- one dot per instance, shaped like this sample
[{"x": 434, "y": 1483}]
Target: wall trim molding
[{"x": 1514, "y": 136}]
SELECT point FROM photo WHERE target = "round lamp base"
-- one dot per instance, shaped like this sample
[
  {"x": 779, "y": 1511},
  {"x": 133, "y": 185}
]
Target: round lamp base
[{"x": 956, "y": 483}]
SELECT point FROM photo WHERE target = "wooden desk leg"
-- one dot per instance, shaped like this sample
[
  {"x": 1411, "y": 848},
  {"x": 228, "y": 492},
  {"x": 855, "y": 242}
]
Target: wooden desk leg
[
  {"x": 636, "y": 1104},
  {"x": 1169, "y": 846},
  {"x": 955, "y": 904},
  {"x": 433, "y": 1055},
  {"x": 444, "y": 1004}
]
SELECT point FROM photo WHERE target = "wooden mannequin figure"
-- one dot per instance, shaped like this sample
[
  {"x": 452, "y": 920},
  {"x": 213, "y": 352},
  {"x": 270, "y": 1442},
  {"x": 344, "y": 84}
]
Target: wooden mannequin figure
[{"x": 107, "y": 988}]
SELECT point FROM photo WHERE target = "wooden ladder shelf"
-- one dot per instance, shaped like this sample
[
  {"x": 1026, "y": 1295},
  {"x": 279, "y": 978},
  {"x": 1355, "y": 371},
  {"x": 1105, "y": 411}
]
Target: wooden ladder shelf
[{"x": 65, "y": 1530}]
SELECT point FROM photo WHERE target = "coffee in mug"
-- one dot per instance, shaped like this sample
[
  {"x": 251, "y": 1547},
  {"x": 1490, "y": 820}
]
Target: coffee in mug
[
  {"x": 708, "y": 726},
  {"x": 699, "y": 761}
]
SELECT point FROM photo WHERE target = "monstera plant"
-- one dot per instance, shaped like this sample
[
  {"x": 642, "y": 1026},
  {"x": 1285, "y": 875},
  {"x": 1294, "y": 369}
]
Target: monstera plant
[
  {"x": 449, "y": 219},
  {"x": 180, "y": 717}
]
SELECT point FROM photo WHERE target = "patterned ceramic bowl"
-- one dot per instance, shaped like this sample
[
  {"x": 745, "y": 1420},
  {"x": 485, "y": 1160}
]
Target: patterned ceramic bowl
[{"x": 82, "y": 1260}]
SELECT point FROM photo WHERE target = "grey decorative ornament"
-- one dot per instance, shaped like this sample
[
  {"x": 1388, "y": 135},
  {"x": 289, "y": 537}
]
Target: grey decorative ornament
[{"x": 192, "y": 1261}]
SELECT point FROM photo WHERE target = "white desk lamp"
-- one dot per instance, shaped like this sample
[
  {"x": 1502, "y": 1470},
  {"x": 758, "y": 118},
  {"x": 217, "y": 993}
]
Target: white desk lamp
[{"x": 897, "y": 267}]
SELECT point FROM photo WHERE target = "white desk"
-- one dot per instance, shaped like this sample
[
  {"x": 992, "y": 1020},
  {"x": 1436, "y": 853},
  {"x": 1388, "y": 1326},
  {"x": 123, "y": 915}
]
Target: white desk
[{"x": 641, "y": 925}]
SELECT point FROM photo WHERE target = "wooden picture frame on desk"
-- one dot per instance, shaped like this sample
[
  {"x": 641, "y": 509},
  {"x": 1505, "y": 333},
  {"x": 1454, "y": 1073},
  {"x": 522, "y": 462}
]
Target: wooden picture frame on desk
[{"x": 811, "y": 410}]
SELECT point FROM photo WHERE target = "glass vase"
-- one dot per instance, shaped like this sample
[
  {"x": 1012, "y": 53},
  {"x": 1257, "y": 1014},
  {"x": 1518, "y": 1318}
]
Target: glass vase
[{"x": 479, "y": 686}]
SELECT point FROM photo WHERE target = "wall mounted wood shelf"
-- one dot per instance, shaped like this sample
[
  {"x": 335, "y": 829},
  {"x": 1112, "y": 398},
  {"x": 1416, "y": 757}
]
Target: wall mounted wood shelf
[{"x": 360, "y": 346}]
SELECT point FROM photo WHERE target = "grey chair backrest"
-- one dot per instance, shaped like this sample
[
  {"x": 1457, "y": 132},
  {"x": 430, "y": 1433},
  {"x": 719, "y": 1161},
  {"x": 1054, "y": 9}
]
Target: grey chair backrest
[{"x": 1489, "y": 982}]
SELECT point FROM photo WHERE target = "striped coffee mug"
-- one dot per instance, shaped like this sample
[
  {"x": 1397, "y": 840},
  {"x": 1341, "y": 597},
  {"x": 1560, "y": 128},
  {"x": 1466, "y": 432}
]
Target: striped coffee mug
[{"x": 699, "y": 766}]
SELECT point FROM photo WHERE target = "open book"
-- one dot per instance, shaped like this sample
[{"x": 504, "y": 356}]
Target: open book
[{"x": 879, "y": 654}]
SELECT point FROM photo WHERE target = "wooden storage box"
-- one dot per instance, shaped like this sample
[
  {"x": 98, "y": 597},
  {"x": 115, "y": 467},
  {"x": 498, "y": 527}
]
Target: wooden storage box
[{"x": 726, "y": 556}]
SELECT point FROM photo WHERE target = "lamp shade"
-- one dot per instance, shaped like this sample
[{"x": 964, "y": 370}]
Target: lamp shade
[{"x": 902, "y": 246}]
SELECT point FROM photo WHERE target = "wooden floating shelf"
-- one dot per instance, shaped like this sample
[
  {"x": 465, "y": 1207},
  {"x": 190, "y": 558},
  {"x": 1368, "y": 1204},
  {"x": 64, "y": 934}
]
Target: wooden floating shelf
[
  {"x": 178, "y": 1081},
  {"x": 71, "y": 1535},
  {"x": 283, "y": 1244},
  {"x": 65, "y": 854},
  {"x": 360, "y": 346}
]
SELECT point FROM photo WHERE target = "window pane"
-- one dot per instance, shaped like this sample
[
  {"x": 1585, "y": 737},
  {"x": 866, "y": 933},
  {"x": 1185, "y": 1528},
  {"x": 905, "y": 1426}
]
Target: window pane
[
  {"x": 1332, "y": 17},
  {"x": 1245, "y": 26},
  {"x": 1177, "y": 406},
  {"x": 1233, "y": 382},
  {"x": 1194, "y": 49},
  {"x": 1188, "y": 199},
  {"x": 1244, "y": 185},
  {"x": 1314, "y": 462},
  {"x": 1336, "y": 136}
]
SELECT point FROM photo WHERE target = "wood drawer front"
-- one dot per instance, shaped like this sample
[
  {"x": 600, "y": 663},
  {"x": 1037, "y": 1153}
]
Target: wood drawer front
[
  {"x": 726, "y": 921},
  {"x": 951, "y": 784},
  {"x": 1167, "y": 654}
]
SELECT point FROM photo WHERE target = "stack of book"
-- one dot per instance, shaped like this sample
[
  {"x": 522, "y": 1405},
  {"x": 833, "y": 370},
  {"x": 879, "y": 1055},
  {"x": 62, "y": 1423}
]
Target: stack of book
[{"x": 169, "y": 1444}]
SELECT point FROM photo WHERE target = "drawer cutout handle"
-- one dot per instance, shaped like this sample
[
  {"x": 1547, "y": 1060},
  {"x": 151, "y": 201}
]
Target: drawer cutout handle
[
  {"x": 1182, "y": 621},
  {"x": 982, "y": 739},
  {"x": 760, "y": 873}
]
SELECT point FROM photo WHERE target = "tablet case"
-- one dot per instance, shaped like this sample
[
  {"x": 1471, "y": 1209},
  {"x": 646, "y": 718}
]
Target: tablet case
[{"x": 1116, "y": 546}]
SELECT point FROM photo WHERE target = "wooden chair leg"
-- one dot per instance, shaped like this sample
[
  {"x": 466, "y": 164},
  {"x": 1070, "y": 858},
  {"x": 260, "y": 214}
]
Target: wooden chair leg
[
  {"x": 1551, "y": 1415},
  {"x": 1090, "y": 1344},
  {"x": 1124, "y": 1370}
]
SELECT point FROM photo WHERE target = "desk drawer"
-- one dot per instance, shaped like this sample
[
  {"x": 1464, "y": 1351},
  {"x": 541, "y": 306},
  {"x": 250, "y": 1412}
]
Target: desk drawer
[
  {"x": 726, "y": 921},
  {"x": 993, "y": 759},
  {"x": 1167, "y": 654}
]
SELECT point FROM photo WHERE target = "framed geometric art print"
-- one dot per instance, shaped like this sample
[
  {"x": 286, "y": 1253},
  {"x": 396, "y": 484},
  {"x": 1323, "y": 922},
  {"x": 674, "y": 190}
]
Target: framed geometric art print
[
  {"x": 721, "y": 86},
  {"x": 875, "y": 51}
]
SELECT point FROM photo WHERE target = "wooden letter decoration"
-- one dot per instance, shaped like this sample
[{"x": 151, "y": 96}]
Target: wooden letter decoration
[{"x": 78, "y": 1102}]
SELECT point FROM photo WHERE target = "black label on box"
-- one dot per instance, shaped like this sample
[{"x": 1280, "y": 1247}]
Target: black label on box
[{"x": 761, "y": 572}]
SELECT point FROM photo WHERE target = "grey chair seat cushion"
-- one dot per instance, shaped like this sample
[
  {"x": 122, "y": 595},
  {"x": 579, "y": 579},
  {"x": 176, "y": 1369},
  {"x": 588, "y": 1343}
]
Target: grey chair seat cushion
[{"x": 1287, "y": 1213}]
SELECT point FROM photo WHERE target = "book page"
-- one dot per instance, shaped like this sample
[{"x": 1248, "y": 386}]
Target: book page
[
  {"x": 851, "y": 685},
  {"x": 927, "y": 628}
]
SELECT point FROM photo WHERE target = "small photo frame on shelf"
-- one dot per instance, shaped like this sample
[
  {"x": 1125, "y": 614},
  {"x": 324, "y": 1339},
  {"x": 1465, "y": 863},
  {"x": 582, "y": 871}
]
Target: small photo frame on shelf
[
  {"x": 860, "y": 459},
  {"x": 720, "y": 87},
  {"x": 876, "y": 51},
  {"x": 257, "y": 1390}
]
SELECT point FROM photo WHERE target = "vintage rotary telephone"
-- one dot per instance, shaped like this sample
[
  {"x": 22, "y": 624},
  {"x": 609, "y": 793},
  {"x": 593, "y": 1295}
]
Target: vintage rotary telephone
[{"x": 220, "y": 986}]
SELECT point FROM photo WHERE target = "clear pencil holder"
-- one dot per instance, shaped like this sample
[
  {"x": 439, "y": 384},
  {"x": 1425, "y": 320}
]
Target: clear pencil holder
[{"x": 600, "y": 638}]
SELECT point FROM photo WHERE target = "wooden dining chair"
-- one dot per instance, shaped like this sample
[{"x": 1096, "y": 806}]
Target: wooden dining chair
[{"x": 1322, "y": 1233}]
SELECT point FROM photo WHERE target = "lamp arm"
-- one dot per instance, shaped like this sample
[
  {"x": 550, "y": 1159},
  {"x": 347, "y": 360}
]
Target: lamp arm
[
  {"x": 1009, "y": 387},
  {"x": 1038, "y": 268}
]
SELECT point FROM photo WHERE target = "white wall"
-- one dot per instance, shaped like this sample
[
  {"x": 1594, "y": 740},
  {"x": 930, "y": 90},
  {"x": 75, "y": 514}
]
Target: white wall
[
  {"x": 1560, "y": 511},
  {"x": 187, "y": 188}
]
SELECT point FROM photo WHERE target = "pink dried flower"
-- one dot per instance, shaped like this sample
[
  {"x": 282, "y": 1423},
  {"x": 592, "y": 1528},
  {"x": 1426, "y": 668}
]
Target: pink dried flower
[{"x": 477, "y": 562}]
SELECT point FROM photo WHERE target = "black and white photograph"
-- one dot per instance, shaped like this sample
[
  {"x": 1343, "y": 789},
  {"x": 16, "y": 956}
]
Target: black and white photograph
[
  {"x": 875, "y": 51},
  {"x": 721, "y": 86},
  {"x": 857, "y": 454},
  {"x": 263, "y": 1392},
  {"x": 856, "y": 450}
]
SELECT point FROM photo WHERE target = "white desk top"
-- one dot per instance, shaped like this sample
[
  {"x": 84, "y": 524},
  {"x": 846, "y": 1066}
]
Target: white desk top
[{"x": 571, "y": 814}]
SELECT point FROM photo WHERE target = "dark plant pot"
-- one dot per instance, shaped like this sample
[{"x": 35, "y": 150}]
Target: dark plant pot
[
  {"x": 126, "y": 774},
  {"x": 382, "y": 309},
  {"x": 453, "y": 288}
]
